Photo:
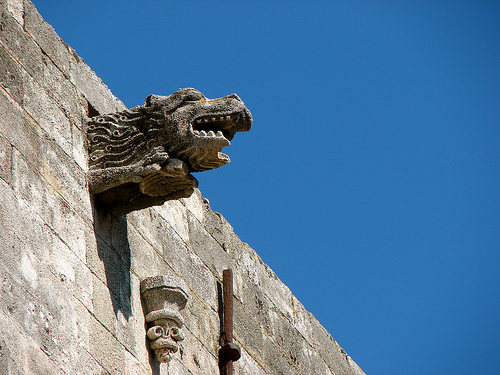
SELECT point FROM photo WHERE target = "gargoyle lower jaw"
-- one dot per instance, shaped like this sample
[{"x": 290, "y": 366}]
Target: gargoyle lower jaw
[{"x": 202, "y": 159}]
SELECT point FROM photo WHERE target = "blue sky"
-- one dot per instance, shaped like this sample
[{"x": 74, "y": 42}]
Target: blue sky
[{"x": 370, "y": 181}]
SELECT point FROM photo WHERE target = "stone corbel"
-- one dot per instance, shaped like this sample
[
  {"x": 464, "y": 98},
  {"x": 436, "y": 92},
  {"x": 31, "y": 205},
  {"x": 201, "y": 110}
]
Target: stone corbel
[
  {"x": 144, "y": 156},
  {"x": 164, "y": 297}
]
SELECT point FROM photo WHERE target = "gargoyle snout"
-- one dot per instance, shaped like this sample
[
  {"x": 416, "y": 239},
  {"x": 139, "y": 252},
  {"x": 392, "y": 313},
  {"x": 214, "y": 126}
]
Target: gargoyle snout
[{"x": 246, "y": 121}]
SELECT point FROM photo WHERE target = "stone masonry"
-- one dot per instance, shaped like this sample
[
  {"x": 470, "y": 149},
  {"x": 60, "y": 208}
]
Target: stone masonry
[{"x": 70, "y": 297}]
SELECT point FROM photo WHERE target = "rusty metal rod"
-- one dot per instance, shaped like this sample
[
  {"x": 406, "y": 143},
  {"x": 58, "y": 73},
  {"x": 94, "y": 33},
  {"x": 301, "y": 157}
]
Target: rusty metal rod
[{"x": 227, "y": 283}]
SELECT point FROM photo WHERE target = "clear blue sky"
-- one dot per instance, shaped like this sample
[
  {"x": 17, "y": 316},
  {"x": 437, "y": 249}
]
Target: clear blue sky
[{"x": 370, "y": 181}]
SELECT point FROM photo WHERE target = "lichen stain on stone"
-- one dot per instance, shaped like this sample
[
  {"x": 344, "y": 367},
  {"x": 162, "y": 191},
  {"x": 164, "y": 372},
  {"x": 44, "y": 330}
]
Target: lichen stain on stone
[{"x": 72, "y": 52}]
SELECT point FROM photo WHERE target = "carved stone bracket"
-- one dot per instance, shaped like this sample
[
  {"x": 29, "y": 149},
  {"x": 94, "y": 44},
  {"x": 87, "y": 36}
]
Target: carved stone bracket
[
  {"x": 164, "y": 297},
  {"x": 145, "y": 155}
]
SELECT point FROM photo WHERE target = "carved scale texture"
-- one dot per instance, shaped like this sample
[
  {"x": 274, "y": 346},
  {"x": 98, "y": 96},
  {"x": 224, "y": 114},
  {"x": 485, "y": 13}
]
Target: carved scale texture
[{"x": 123, "y": 138}]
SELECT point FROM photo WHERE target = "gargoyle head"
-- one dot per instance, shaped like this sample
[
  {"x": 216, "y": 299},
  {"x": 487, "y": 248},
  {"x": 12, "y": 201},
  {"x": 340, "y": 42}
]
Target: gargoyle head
[
  {"x": 144, "y": 155},
  {"x": 197, "y": 128}
]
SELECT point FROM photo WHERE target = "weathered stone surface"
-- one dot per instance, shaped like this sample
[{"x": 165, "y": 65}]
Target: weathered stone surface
[
  {"x": 19, "y": 354},
  {"x": 20, "y": 131},
  {"x": 70, "y": 298},
  {"x": 40, "y": 290}
]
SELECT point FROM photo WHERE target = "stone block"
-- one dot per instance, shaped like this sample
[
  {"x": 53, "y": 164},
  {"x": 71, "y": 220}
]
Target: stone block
[
  {"x": 248, "y": 327},
  {"x": 187, "y": 263},
  {"x": 208, "y": 249},
  {"x": 175, "y": 214},
  {"x": 55, "y": 211},
  {"x": 20, "y": 130},
  {"x": 56, "y": 167},
  {"x": 174, "y": 367},
  {"x": 196, "y": 358},
  {"x": 275, "y": 361},
  {"x": 11, "y": 76},
  {"x": 195, "y": 204},
  {"x": 43, "y": 282},
  {"x": 108, "y": 352},
  {"x": 47, "y": 39},
  {"x": 115, "y": 317},
  {"x": 122, "y": 316},
  {"x": 215, "y": 224},
  {"x": 20, "y": 45},
  {"x": 65, "y": 265},
  {"x": 203, "y": 324},
  {"x": 114, "y": 281},
  {"x": 35, "y": 101},
  {"x": 137, "y": 324},
  {"x": 25, "y": 234},
  {"x": 184, "y": 262},
  {"x": 19, "y": 354},
  {"x": 67, "y": 178},
  {"x": 247, "y": 365},
  {"x": 46, "y": 312},
  {"x": 146, "y": 261},
  {"x": 133, "y": 366},
  {"x": 20, "y": 236}
]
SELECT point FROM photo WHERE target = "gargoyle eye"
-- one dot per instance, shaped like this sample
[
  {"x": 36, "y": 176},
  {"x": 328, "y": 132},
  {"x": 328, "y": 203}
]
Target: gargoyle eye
[{"x": 193, "y": 96}]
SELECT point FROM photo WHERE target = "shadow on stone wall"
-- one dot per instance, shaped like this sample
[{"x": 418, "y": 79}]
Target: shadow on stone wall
[{"x": 114, "y": 251}]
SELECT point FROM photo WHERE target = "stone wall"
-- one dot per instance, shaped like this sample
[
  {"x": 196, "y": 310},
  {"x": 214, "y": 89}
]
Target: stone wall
[{"x": 70, "y": 274}]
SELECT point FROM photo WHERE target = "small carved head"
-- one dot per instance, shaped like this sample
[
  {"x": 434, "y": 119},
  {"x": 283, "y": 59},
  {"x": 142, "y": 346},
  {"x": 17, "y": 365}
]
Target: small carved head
[
  {"x": 164, "y": 298},
  {"x": 164, "y": 336}
]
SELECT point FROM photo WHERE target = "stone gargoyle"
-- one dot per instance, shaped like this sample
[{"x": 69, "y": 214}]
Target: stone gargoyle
[{"x": 144, "y": 156}]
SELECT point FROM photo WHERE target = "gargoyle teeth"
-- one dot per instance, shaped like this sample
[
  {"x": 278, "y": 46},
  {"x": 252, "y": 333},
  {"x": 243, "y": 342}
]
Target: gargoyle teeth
[
  {"x": 210, "y": 133},
  {"x": 213, "y": 119},
  {"x": 219, "y": 126}
]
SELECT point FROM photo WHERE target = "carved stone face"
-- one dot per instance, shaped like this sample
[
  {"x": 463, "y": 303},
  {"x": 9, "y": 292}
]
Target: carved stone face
[
  {"x": 198, "y": 128},
  {"x": 164, "y": 336}
]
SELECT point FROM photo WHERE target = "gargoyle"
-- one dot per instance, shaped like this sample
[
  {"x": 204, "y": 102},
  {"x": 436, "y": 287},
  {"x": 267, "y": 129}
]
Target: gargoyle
[{"x": 143, "y": 156}]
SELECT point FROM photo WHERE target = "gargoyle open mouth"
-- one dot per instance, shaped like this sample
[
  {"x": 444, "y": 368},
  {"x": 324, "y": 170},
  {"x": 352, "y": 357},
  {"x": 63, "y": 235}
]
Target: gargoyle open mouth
[{"x": 223, "y": 126}]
